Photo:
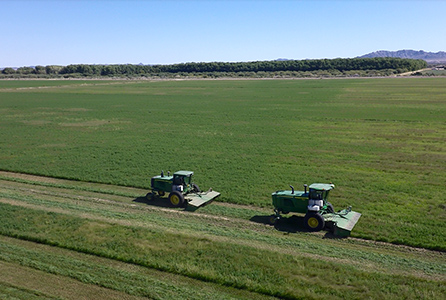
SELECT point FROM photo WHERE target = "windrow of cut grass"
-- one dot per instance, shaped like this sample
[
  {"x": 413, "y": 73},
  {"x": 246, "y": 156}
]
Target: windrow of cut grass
[{"x": 381, "y": 141}]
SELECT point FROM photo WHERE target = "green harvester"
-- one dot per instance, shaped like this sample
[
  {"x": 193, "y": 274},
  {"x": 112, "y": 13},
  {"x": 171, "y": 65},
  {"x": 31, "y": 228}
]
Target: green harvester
[
  {"x": 319, "y": 213},
  {"x": 182, "y": 191}
]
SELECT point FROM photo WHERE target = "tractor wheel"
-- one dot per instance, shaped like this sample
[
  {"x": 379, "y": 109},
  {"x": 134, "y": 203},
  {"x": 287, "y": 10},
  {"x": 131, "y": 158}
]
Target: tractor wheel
[
  {"x": 314, "y": 221},
  {"x": 150, "y": 196},
  {"x": 195, "y": 188},
  {"x": 273, "y": 220},
  {"x": 176, "y": 199}
]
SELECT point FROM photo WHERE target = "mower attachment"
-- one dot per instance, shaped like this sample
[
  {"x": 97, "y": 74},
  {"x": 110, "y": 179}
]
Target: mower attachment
[
  {"x": 196, "y": 200},
  {"x": 342, "y": 223}
]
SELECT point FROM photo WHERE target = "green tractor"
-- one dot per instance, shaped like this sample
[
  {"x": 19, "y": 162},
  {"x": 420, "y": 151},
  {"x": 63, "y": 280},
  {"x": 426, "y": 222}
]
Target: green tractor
[
  {"x": 319, "y": 213},
  {"x": 182, "y": 191}
]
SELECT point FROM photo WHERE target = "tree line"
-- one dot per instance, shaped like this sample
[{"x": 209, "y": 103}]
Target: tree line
[{"x": 332, "y": 66}]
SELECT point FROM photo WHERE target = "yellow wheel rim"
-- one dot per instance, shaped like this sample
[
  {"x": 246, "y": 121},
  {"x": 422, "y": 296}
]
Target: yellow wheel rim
[
  {"x": 313, "y": 222},
  {"x": 175, "y": 200}
]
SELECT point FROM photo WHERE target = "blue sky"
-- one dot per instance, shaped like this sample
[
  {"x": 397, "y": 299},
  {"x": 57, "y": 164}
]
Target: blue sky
[{"x": 63, "y": 32}]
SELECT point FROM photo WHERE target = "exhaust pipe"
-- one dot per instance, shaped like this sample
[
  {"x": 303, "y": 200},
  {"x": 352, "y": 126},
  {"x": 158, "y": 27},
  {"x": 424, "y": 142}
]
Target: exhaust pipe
[{"x": 305, "y": 188}]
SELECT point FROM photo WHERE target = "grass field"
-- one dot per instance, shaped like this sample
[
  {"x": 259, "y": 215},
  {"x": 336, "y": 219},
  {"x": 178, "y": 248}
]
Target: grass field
[
  {"x": 381, "y": 141},
  {"x": 91, "y": 237}
]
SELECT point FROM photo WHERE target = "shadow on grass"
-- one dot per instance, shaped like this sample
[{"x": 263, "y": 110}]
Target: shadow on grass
[
  {"x": 154, "y": 201},
  {"x": 291, "y": 224}
]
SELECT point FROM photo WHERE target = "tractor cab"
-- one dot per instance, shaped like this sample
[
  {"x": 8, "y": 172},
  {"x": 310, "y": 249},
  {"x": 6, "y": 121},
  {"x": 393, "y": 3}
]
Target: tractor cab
[
  {"x": 182, "y": 181},
  {"x": 318, "y": 196},
  {"x": 320, "y": 191}
]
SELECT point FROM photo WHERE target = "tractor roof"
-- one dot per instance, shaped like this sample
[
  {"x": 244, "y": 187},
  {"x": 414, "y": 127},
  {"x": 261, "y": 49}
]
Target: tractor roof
[
  {"x": 322, "y": 186},
  {"x": 184, "y": 173}
]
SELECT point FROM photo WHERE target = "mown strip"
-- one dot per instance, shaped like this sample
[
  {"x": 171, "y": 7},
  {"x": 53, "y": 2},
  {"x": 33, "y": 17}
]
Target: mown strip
[
  {"x": 228, "y": 264},
  {"x": 71, "y": 186}
]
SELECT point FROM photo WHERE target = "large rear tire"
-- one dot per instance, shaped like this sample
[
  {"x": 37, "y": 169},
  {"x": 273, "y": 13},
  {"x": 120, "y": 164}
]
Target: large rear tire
[
  {"x": 314, "y": 221},
  {"x": 176, "y": 199}
]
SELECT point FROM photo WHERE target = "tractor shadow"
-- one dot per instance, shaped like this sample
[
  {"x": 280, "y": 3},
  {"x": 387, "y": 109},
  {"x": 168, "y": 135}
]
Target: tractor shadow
[
  {"x": 291, "y": 224},
  {"x": 157, "y": 201}
]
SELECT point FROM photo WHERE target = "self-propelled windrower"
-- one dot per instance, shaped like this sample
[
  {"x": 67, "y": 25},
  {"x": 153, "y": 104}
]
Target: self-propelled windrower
[
  {"x": 319, "y": 213},
  {"x": 181, "y": 189}
]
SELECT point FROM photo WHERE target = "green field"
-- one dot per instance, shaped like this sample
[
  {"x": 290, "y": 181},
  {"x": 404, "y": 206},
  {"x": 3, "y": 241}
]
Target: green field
[
  {"x": 97, "y": 241},
  {"x": 380, "y": 141}
]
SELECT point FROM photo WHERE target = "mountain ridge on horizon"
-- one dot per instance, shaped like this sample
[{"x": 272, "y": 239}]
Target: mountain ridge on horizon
[{"x": 429, "y": 57}]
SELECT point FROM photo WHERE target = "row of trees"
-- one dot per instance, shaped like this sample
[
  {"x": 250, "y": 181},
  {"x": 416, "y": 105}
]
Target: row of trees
[
  {"x": 38, "y": 70},
  {"x": 337, "y": 65}
]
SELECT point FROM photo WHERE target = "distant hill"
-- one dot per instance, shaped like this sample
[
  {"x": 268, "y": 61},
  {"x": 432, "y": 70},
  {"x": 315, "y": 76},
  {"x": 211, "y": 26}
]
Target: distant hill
[{"x": 429, "y": 57}]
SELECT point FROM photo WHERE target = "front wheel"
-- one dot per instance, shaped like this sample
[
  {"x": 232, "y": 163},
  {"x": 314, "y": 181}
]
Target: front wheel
[
  {"x": 330, "y": 208},
  {"x": 273, "y": 220},
  {"x": 195, "y": 188},
  {"x": 314, "y": 221},
  {"x": 176, "y": 199}
]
